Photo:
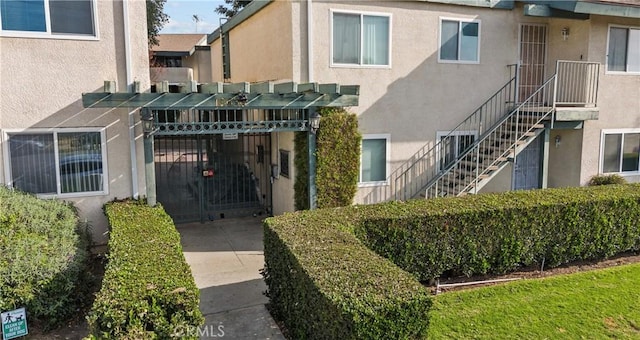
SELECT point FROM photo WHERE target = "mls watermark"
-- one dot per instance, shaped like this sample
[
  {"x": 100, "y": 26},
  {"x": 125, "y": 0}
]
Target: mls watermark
[{"x": 206, "y": 331}]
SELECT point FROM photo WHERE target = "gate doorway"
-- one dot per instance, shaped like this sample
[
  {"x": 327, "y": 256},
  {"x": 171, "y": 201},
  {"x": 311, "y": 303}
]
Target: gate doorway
[
  {"x": 533, "y": 54},
  {"x": 527, "y": 172},
  {"x": 207, "y": 177}
]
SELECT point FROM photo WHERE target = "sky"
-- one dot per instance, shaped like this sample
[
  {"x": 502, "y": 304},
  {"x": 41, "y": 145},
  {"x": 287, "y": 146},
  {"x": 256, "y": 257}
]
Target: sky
[{"x": 181, "y": 14}]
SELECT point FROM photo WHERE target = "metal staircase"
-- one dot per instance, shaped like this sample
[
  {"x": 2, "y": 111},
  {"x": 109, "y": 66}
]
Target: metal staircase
[{"x": 468, "y": 157}]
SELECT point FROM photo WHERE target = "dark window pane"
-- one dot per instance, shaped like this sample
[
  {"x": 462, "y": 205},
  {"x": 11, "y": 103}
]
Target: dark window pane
[
  {"x": 80, "y": 155},
  {"x": 617, "y": 54},
  {"x": 630, "y": 152},
  {"x": 611, "y": 157},
  {"x": 71, "y": 17},
  {"x": 32, "y": 158},
  {"x": 23, "y": 15},
  {"x": 346, "y": 38},
  {"x": 374, "y": 160},
  {"x": 449, "y": 40}
]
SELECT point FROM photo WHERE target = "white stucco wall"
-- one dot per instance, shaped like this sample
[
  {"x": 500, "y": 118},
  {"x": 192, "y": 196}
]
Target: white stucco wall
[{"x": 41, "y": 86}]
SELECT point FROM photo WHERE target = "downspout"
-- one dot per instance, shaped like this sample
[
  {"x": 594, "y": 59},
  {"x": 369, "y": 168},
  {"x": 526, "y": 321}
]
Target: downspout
[
  {"x": 310, "y": 41},
  {"x": 131, "y": 114}
]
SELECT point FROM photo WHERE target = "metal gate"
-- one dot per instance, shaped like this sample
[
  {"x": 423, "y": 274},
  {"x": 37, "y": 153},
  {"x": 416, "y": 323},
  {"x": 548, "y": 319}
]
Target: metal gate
[{"x": 207, "y": 177}]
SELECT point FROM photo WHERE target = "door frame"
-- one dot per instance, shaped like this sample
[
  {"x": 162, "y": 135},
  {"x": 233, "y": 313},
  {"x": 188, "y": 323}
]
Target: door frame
[{"x": 520, "y": 59}]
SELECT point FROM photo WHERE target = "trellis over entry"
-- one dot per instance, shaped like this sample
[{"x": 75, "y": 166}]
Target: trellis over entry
[{"x": 219, "y": 108}]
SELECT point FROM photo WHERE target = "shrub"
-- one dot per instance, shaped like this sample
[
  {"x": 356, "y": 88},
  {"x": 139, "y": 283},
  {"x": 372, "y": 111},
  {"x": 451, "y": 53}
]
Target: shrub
[
  {"x": 324, "y": 284},
  {"x": 607, "y": 179},
  {"x": 338, "y": 160},
  {"x": 148, "y": 291},
  {"x": 43, "y": 257},
  {"x": 496, "y": 233}
]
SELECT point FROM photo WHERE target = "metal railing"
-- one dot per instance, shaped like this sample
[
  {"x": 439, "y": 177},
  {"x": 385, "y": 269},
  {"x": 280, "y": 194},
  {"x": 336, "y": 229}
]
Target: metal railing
[
  {"x": 410, "y": 178},
  {"x": 496, "y": 146},
  {"x": 577, "y": 83},
  {"x": 492, "y": 135}
]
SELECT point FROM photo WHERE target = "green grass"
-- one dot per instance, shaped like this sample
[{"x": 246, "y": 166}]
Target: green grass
[{"x": 591, "y": 305}]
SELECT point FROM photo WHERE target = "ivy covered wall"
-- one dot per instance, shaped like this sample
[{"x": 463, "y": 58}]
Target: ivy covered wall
[{"x": 338, "y": 160}]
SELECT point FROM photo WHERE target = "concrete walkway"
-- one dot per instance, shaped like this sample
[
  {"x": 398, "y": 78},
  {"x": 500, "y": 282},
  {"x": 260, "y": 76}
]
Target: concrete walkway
[{"x": 226, "y": 256}]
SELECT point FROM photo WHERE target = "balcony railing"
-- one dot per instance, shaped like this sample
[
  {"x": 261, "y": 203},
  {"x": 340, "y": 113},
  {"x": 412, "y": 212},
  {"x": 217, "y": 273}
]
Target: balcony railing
[
  {"x": 171, "y": 74},
  {"x": 577, "y": 83}
]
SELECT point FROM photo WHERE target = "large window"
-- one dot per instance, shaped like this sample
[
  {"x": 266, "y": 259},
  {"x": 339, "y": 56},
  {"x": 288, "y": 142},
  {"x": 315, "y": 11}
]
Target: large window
[
  {"x": 59, "y": 18},
  {"x": 65, "y": 162},
  {"x": 452, "y": 145},
  {"x": 361, "y": 39},
  {"x": 459, "y": 41},
  {"x": 620, "y": 151},
  {"x": 623, "y": 54},
  {"x": 374, "y": 159}
]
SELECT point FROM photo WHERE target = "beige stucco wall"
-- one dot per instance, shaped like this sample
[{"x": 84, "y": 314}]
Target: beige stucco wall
[
  {"x": 282, "y": 189},
  {"x": 261, "y": 48},
  {"x": 41, "y": 86},
  {"x": 618, "y": 98},
  {"x": 565, "y": 159},
  {"x": 200, "y": 62},
  {"x": 418, "y": 96}
]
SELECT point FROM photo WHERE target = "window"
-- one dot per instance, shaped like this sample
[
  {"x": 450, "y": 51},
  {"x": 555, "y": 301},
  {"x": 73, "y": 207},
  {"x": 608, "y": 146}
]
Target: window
[
  {"x": 361, "y": 39},
  {"x": 620, "y": 151},
  {"x": 65, "y": 162},
  {"x": 459, "y": 41},
  {"x": 284, "y": 164},
  {"x": 374, "y": 165},
  {"x": 623, "y": 53},
  {"x": 59, "y": 18},
  {"x": 453, "y": 144}
]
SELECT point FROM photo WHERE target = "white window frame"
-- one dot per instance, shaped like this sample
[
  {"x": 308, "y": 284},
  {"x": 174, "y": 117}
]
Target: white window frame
[
  {"x": 459, "y": 20},
  {"x": 601, "y": 156},
  {"x": 48, "y": 35},
  {"x": 606, "y": 63},
  {"x": 440, "y": 134},
  {"x": 361, "y": 14},
  {"x": 103, "y": 145},
  {"x": 387, "y": 170}
]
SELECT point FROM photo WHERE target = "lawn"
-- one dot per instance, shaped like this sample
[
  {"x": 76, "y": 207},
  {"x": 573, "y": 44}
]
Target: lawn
[{"x": 595, "y": 304}]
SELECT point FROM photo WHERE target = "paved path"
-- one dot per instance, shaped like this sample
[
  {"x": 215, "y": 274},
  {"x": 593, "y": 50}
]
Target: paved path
[{"x": 226, "y": 257}]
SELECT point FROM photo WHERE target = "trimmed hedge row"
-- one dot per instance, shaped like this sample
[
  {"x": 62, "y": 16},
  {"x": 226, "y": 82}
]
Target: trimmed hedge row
[
  {"x": 324, "y": 284},
  {"x": 148, "y": 291},
  {"x": 43, "y": 257},
  {"x": 497, "y": 233}
]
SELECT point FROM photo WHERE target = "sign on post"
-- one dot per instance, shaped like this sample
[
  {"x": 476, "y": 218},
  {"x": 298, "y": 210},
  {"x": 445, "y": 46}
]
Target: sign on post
[{"x": 14, "y": 324}]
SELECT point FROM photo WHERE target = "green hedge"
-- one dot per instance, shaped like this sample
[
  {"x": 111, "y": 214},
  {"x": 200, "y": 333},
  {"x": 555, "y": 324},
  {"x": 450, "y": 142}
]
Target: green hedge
[
  {"x": 148, "y": 291},
  {"x": 43, "y": 257},
  {"x": 496, "y": 233},
  {"x": 338, "y": 160},
  {"x": 324, "y": 284}
]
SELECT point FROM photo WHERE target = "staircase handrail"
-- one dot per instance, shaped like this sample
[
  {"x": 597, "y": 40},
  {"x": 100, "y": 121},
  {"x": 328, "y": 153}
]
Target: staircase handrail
[{"x": 475, "y": 146}]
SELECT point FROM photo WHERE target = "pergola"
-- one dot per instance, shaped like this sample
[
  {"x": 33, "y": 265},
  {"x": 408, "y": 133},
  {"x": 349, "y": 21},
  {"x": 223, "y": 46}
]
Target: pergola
[{"x": 221, "y": 108}]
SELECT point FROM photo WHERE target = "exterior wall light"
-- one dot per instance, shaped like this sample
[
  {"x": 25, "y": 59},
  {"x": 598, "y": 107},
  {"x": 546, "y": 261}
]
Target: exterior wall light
[
  {"x": 147, "y": 120},
  {"x": 565, "y": 33},
  {"x": 314, "y": 122}
]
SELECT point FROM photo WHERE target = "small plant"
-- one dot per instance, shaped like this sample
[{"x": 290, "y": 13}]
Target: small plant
[{"x": 606, "y": 180}]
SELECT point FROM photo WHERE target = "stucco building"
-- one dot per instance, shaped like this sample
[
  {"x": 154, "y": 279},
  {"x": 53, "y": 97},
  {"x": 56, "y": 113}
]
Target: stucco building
[
  {"x": 458, "y": 97},
  {"x": 50, "y": 54}
]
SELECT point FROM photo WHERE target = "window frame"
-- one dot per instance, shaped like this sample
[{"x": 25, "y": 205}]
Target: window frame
[
  {"x": 362, "y": 14},
  {"x": 459, "y": 20},
  {"x": 606, "y": 63},
  {"x": 387, "y": 138},
  {"x": 48, "y": 34},
  {"x": 622, "y": 132},
  {"x": 284, "y": 158},
  {"x": 457, "y": 134},
  {"x": 55, "y": 131}
]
